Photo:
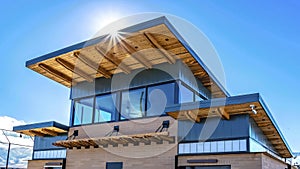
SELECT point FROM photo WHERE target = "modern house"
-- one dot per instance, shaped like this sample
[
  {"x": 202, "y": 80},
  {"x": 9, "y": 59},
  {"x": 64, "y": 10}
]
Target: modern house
[{"x": 146, "y": 100}]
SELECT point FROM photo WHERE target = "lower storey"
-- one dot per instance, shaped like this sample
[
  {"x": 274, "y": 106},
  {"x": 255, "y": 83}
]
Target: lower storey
[
  {"x": 98, "y": 158},
  {"x": 230, "y": 161},
  {"x": 45, "y": 164}
]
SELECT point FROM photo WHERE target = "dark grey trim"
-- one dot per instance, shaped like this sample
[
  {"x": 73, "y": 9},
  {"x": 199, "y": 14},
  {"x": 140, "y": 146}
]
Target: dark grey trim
[
  {"x": 215, "y": 102},
  {"x": 212, "y": 140},
  {"x": 41, "y": 125},
  {"x": 202, "y": 161},
  {"x": 48, "y": 149},
  {"x": 265, "y": 107}
]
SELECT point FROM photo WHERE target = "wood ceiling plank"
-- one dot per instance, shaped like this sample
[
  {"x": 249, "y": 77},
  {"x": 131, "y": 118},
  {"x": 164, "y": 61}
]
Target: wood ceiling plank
[
  {"x": 57, "y": 74},
  {"x": 84, "y": 59},
  {"x": 111, "y": 58},
  {"x": 49, "y": 132},
  {"x": 154, "y": 42},
  {"x": 71, "y": 67},
  {"x": 135, "y": 54}
]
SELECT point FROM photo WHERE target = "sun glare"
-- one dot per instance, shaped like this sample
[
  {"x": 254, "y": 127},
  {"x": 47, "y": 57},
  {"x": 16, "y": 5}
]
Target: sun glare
[{"x": 104, "y": 19}]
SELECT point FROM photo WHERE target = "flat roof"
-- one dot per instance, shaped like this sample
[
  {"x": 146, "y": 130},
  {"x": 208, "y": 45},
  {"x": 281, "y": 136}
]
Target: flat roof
[
  {"x": 50, "y": 128},
  {"x": 225, "y": 107},
  {"x": 142, "y": 46}
]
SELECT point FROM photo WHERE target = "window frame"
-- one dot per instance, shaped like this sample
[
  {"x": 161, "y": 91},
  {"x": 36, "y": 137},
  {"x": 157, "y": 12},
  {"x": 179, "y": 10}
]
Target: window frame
[
  {"x": 119, "y": 101},
  {"x": 116, "y": 110},
  {"x": 73, "y": 110}
]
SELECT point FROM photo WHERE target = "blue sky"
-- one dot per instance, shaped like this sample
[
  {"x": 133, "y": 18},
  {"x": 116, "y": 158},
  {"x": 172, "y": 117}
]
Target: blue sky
[{"x": 257, "y": 41}]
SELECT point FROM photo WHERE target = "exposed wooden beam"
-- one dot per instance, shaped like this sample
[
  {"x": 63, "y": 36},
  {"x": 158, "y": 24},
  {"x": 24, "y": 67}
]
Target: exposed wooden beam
[
  {"x": 83, "y": 143},
  {"x": 36, "y": 133},
  {"x": 75, "y": 144},
  {"x": 84, "y": 59},
  {"x": 92, "y": 143},
  {"x": 223, "y": 113},
  {"x": 49, "y": 132},
  {"x": 111, "y": 58},
  {"x": 57, "y": 73},
  {"x": 168, "y": 138},
  {"x": 72, "y": 68},
  {"x": 130, "y": 140},
  {"x": 106, "y": 141},
  {"x": 140, "y": 58},
  {"x": 146, "y": 141},
  {"x": 193, "y": 116},
  {"x": 154, "y": 42},
  {"x": 99, "y": 142},
  {"x": 156, "y": 139}
]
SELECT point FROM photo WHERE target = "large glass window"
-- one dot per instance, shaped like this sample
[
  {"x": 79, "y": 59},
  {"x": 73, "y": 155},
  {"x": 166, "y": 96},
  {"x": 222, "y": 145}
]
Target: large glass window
[
  {"x": 213, "y": 146},
  {"x": 185, "y": 94},
  {"x": 159, "y": 97},
  {"x": 105, "y": 108},
  {"x": 133, "y": 104},
  {"x": 197, "y": 97},
  {"x": 83, "y": 112}
]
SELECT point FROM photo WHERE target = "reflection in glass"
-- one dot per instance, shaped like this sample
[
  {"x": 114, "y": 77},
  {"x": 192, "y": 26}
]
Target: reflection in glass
[
  {"x": 159, "y": 97},
  {"x": 133, "y": 104},
  {"x": 193, "y": 147},
  {"x": 235, "y": 145},
  {"x": 213, "y": 147},
  {"x": 83, "y": 111},
  {"x": 199, "y": 147},
  {"x": 105, "y": 108},
  {"x": 185, "y": 94},
  {"x": 186, "y": 148},
  {"x": 243, "y": 145},
  {"x": 228, "y": 145},
  {"x": 221, "y": 146},
  {"x": 197, "y": 97},
  {"x": 207, "y": 147}
]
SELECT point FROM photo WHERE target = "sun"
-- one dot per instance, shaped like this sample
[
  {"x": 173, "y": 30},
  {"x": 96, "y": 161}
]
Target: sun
[{"x": 104, "y": 23}]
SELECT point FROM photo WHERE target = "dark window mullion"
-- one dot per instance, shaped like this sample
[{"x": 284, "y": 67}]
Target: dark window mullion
[
  {"x": 146, "y": 100},
  {"x": 94, "y": 109}
]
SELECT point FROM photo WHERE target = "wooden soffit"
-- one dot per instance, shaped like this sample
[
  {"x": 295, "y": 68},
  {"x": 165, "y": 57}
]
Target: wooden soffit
[
  {"x": 224, "y": 108},
  {"x": 134, "y": 48},
  {"x": 42, "y": 129}
]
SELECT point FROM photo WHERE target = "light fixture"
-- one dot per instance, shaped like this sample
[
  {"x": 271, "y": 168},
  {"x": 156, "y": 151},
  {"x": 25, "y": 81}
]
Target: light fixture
[
  {"x": 73, "y": 136},
  {"x": 252, "y": 106},
  {"x": 115, "y": 130},
  {"x": 165, "y": 125}
]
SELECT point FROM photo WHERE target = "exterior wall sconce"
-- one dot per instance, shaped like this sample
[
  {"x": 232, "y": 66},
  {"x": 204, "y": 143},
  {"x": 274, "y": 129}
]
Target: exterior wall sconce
[
  {"x": 73, "y": 136},
  {"x": 116, "y": 130},
  {"x": 165, "y": 125},
  {"x": 253, "y": 108}
]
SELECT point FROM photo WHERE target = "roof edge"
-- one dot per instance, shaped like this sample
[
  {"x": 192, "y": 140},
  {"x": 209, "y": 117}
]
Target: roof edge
[
  {"x": 41, "y": 125},
  {"x": 93, "y": 41},
  {"x": 248, "y": 98}
]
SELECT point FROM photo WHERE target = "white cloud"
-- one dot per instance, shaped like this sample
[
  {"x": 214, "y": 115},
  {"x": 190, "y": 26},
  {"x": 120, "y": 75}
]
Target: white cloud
[
  {"x": 19, "y": 154},
  {"x": 8, "y": 122}
]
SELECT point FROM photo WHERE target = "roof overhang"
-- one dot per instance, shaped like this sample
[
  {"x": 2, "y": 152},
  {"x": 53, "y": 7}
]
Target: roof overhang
[
  {"x": 142, "y": 46},
  {"x": 225, "y": 107},
  {"x": 51, "y": 128}
]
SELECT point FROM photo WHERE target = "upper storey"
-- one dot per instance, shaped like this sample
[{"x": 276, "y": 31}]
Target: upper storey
[{"x": 140, "y": 46}]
